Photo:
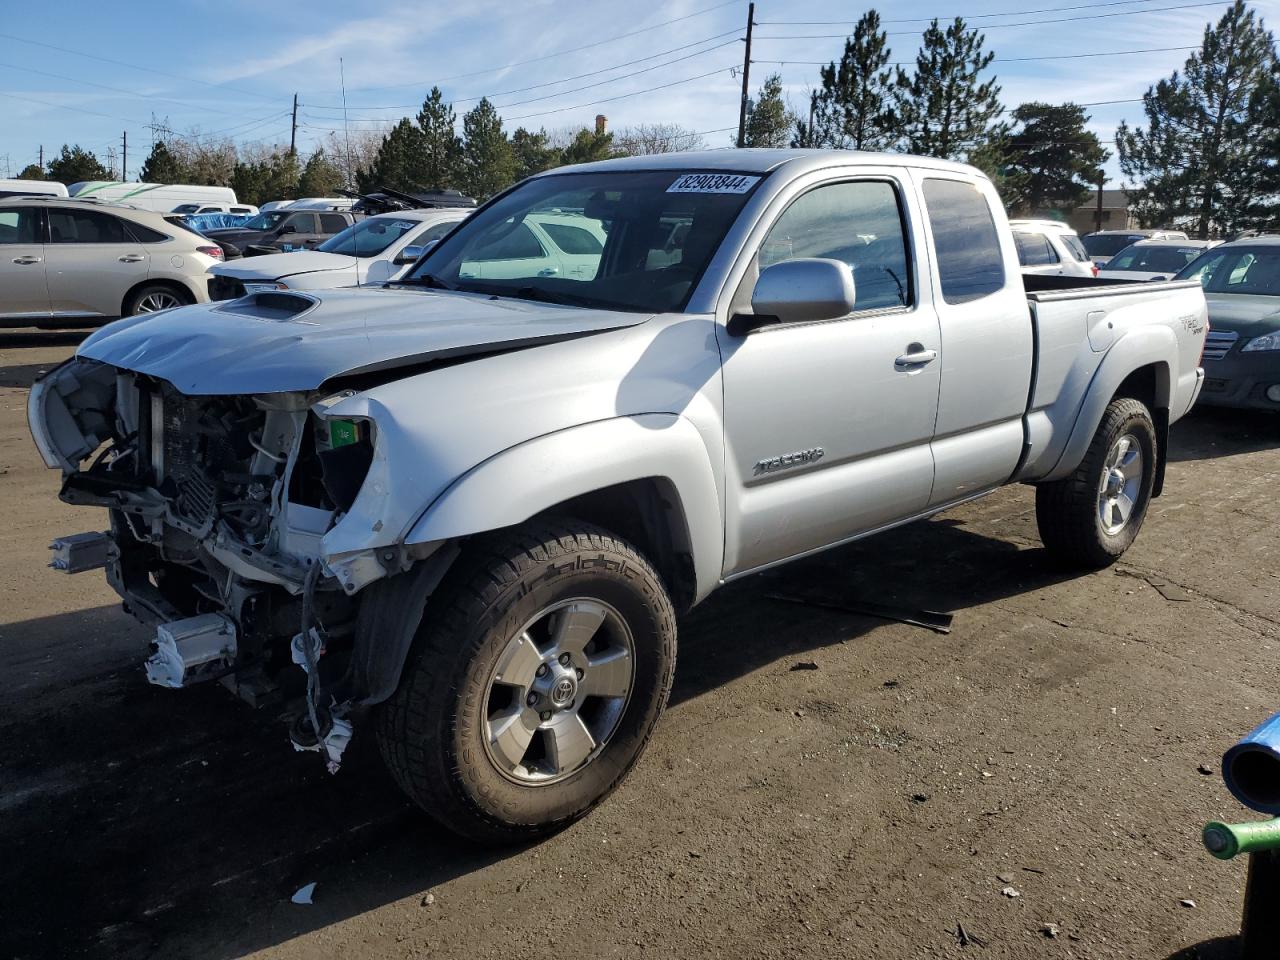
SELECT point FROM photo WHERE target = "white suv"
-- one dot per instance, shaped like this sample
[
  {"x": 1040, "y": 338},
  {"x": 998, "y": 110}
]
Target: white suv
[{"x": 73, "y": 263}]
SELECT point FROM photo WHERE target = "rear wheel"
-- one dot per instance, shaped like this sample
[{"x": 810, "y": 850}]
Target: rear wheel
[
  {"x": 534, "y": 684},
  {"x": 155, "y": 297},
  {"x": 1091, "y": 517}
]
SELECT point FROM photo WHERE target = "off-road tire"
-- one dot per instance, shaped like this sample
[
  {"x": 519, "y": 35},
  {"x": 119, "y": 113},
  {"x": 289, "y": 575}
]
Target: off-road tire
[
  {"x": 1067, "y": 511},
  {"x": 431, "y": 732}
]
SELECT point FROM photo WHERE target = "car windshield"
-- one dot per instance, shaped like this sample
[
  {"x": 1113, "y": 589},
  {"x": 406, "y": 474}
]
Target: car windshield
[
  {"x": 1109, "y": 244},
  {"x": 626, "y": 240},
  {"x": 368, "y": 238},
  {"x": 264, "y": 221},
  {"x": 186, "y": 208},
  {"x": 1141, "y": 258},
  {"x": 1245, "y": 270}
]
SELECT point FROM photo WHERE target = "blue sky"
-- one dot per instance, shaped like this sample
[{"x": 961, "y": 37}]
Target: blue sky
[{"x": 234, "y": 66}]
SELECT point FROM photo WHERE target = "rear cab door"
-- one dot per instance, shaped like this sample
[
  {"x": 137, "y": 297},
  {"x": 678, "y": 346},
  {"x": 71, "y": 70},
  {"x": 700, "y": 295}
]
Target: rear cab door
[
  {"x": 986, "y": 332},
  {"x": 23, "y": 290},
  {"x": 92, "y": 262}
]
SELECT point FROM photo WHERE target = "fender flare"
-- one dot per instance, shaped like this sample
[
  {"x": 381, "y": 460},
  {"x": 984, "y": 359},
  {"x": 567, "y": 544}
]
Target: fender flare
[
  {"x": 522, "y": 481},
  {"x": 1143, "y": 347}
]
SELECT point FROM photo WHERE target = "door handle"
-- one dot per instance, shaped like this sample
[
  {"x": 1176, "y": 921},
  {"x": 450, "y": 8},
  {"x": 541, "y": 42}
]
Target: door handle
[
  {"x": 27, "y": 260},
  {"x": 916, "y": 357},
  {"x": 132, "y": 258},
  {"x": 549, "y": 272}
]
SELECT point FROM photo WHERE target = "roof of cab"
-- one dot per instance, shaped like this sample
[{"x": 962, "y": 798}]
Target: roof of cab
[{"x": 762, "y": 161}]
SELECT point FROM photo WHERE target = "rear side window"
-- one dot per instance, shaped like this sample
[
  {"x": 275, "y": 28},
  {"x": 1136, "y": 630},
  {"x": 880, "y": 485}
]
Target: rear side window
[
  {"x": 303, "y": 222},
  {"x": 573, "y": 239},
  {"x": 145, "y": 234},
  {"x": 1077, "y": 249},
  {"x": 85, "y": 226},
  {"x": 332, "y": 223},
  {"x": 1034, "y": 250},
  {"x": 970, "y": 265},
  {"x": 858, "y": 223},
  {"x": 18, "y": 225}
]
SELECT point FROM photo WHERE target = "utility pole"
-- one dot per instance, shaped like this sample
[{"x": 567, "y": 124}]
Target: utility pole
[
  {"x": 124, "y": 155},
  {"x": 293, "y": 132},
  {"x": 42, "y": 156},
  {"x": 1097, "y": 216},
  {"x": 746, "y": 76}
]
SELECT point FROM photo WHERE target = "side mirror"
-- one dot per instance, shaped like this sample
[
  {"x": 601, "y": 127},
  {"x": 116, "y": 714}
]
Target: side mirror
[
  {"x": 409, "y": 254},
  {"x": 795, "y": 291}
]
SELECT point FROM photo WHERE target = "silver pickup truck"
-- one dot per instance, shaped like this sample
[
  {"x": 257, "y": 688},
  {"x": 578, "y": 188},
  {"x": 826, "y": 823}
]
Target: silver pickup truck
[{"x": 470, "y": 506}]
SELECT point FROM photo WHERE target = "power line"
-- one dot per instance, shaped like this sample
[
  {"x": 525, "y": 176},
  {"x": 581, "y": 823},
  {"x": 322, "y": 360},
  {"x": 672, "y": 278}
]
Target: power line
[
  {"x": 1024, "y": 23},
  {"x": 63, "y": 106},
  {"x": 1060, "y": 56},
  {"x": 550, "y": 56},
  {"x": 550, "y": 83},
  {"x": 962, "y": 16},
  {"x": 134, "y": 66},
  {"x": 623, "y": 96}
]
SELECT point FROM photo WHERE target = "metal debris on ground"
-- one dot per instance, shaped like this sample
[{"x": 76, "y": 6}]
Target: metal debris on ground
[
  {"x": 965, "y": 938},
  {"x": 303, "y": 894},
  {"x": 929, "y": 619}
]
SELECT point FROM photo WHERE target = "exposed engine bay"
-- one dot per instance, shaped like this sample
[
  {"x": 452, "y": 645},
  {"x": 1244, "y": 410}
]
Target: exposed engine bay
[{"x": 218, "y": 506}]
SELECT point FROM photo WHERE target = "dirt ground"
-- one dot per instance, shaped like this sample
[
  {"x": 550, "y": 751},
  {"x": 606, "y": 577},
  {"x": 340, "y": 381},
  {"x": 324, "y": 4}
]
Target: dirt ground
[{"x": 868, "y": 808}]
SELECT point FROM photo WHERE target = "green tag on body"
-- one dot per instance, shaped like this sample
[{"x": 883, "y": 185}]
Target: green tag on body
[{"x": 343, "y": 433}]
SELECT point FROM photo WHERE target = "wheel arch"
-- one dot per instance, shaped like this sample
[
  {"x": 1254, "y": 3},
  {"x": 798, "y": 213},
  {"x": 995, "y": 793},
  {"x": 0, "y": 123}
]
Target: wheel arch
[
  {"x": 172, "y": 283},
  {"x": 1138, "y": 365}
]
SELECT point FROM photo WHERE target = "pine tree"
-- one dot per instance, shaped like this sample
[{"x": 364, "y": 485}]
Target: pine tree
[
  {"x": 943, "y": 109},
  {"x": 587, "y": 146},
  {"x": 320, "y": 177},
  {"x": 488, "y": 163},
  {"x": 397, "y": 162},
  {"x": 532, "y": 152},
  {"x": 76, "y": 165},
  {"x": 32, "y": 171},
  {"x": 1049, "y": 160},
  {"x": 769, "y": 121},
  {"x": 853, "y": 110},
  {"x": 163, "y": 166},
  {"x": 439, "y": 162},
  {"x": 1203, "y": 152}
]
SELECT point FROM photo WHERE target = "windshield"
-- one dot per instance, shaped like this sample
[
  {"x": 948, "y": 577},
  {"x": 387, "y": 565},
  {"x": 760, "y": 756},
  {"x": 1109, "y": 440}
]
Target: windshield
[
  {"x": 1245, "y": 270},
  {"x": 1142, "y": 258},
  {"x": 368, "y": 238},
  {"x": 625, "y": 240},
  {"x": 1072, "y": 243},
  {"x": 1109, "y": 244},
  {"x": 264, "y": 221},
  {"x": 186, "y": 208}
]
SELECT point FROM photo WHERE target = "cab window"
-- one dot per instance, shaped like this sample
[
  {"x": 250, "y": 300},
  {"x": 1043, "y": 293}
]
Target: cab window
[
  {"x": 858, "y": 223},
  {"x": 970, "y": 264},
  {"x": 85, "y": 226}
]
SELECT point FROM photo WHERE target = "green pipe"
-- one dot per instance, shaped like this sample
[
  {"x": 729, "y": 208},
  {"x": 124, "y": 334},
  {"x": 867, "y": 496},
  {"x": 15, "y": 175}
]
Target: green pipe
[{"x": 1226, "y": 840}]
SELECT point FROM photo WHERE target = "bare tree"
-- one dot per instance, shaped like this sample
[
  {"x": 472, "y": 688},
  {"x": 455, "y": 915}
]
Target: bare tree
[
  {"x": 356, "y": 153},
  {"x": 646, "y": 138}
]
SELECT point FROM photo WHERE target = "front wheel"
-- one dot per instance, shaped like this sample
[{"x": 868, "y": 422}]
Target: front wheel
[
  {"x": 1092, "y": 517},
  {"x": 536, "y": 679},
  {"x": 151, "y": 299}
]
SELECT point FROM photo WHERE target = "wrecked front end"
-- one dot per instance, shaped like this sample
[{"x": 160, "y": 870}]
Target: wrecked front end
[{"x": 219, "y": 508}]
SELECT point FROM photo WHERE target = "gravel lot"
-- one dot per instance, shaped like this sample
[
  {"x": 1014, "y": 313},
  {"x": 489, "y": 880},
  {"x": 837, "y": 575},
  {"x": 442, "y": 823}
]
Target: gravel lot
[{"x": 1050, "y": 744}]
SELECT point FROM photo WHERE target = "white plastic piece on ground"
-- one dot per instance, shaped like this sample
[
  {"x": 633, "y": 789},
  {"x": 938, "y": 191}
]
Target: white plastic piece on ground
[
  {"x": 303, "y": 894},
  {"x": 334, "y": 743},
  {"x": 190, "y": 650},
  {"x": 299, "y": 654}
]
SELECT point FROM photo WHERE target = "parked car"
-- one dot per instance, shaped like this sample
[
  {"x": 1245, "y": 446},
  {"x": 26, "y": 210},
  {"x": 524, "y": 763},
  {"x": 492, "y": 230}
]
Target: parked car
[
  {"x": 551, "y": 244},
  {"x": 233, "y": 209},
  {"x": 372, "y": 250},
  {"x": 1153, "y": 259},
  {"x": 1242, "y": 354},
  {"x": 1043, "y": 225},
  {"x": 477, "y": 504},
  {"x": 322, "y": 203},
  {"x": 31, "y": 188},
  {"x": 66, "y": 263},
  {"x": 203, "y": 222},
  {"x": 1105, "y": 244},
  {"x": 1052, "y": 252},
  {"x": 284, "y": 229},
  {"x": 160, "y": 197}
]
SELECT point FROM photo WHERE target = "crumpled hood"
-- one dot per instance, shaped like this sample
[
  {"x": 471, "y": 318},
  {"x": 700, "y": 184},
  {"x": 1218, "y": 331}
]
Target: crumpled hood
[
  {"x": 282, "y": 342},
  {"x": 1246, "y": 314},
  {"x": 276, "y": 266}
]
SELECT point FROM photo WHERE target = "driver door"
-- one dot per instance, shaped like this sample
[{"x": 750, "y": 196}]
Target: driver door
[{"x": 828, "y": 424}]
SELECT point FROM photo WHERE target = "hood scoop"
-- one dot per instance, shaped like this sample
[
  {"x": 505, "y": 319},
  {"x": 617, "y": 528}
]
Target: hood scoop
[{"x": 271, "y": 305}]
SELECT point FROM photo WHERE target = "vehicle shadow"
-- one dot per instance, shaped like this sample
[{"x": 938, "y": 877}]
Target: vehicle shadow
[
  {"x": 1219, "y": 948},
  {"x": 24, "y": 375},
  {"x": 138, "y": 820},
  {"x": 1209, "y": 432},
  {"x": 42, "y": 338}
]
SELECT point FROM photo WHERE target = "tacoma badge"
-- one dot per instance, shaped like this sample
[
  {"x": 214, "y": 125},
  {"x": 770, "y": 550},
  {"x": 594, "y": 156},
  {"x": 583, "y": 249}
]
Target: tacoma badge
[{"x": 812, "y": 455}]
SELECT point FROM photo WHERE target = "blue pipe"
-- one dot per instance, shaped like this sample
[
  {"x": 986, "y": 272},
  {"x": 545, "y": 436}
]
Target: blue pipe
[{"x": 1251, "y": 769}]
